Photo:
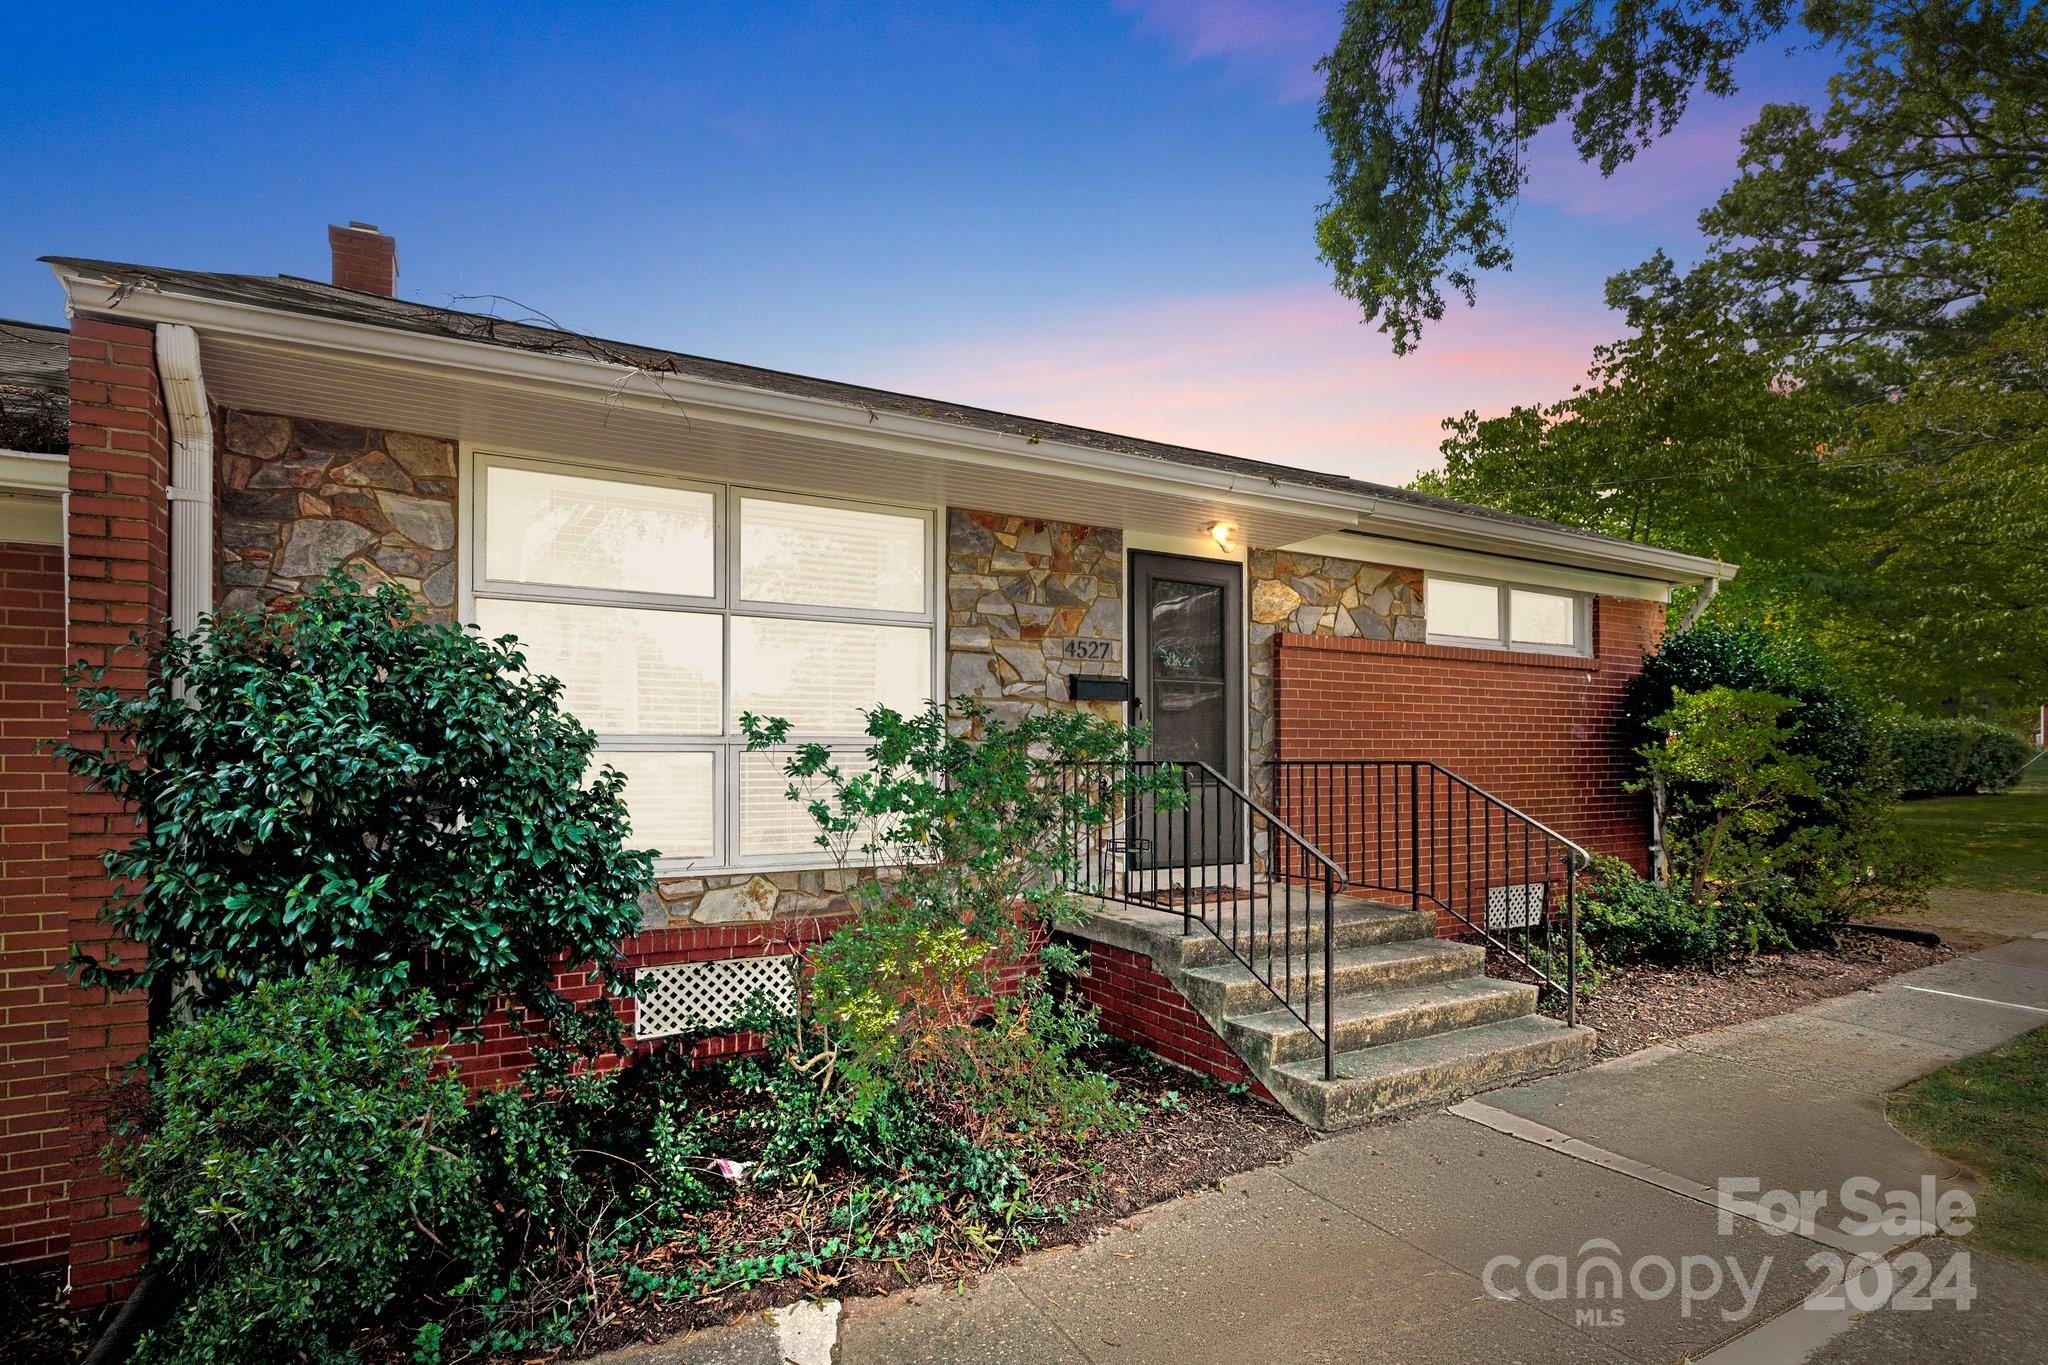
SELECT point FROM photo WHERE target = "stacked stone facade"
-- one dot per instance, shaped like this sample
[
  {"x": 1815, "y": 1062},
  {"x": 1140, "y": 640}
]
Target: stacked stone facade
[
  {"x": 1028, "y": 604},
  {"x": 299, "y": 496},
  {"x": 1301, "y": 594}
]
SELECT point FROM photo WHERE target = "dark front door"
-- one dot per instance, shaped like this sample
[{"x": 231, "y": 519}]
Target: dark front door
[{"x": 1187, "y": 683}]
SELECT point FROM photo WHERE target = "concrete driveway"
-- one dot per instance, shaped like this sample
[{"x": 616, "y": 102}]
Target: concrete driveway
[{"x": 1442, "y": 1237}]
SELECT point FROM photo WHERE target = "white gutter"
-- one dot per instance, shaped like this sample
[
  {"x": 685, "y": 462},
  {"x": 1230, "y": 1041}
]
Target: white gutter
[
  {"x": 589, "y": 379},
  {"x": 191, "y": 491}
]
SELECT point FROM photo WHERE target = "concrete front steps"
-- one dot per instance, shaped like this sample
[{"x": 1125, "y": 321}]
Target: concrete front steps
[{"x": 1417, "y": 1020}]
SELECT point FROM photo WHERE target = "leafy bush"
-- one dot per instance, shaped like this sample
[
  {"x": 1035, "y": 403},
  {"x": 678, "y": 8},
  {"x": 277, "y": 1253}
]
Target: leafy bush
[
  {"x": 295, "y": 1170},
  {"x": 1833, "y": 847},
  {"x": 969, "y": 844},
  {"x": 337, "y": 776},
  {"x": 1954, "y": 757},
  {"x": 1726, "y": 758},
  {"x": 1624, "y": 918}
]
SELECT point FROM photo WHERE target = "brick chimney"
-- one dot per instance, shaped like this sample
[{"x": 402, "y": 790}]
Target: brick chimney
[{"x": 364, "y": 258}]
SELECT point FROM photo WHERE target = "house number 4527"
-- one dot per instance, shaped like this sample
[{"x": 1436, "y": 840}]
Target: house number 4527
[{"x": 1087, "y": 649}]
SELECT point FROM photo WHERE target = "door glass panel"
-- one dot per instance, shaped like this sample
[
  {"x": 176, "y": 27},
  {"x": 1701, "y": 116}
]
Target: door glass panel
[{"x": 1189, "y": 695}]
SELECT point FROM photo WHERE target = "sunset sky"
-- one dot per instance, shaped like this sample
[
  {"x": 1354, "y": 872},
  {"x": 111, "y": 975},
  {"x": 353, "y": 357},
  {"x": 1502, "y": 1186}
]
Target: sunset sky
[{"x": 1100, "y": 212}]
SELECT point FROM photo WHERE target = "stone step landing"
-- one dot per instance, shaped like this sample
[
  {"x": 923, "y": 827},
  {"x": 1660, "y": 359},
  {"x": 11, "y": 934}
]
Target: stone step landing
[{"x": 1417, "y": 1022}]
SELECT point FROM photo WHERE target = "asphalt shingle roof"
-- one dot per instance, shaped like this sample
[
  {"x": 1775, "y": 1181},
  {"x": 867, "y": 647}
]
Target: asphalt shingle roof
[
  {"x": 525, "y": 330},
  {"x": 35, "y": 392}
]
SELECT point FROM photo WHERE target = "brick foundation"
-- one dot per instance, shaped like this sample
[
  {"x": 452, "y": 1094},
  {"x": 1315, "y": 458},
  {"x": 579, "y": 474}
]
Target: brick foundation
[{"x": 1139, "y": 1005}]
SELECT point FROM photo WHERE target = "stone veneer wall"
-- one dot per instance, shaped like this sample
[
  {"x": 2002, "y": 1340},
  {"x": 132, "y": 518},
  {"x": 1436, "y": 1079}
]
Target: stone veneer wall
[
  {"x": 298, "y": 496},
  {"x": 1027, "y": 603},
  {"x": 1300, "y": 594}
]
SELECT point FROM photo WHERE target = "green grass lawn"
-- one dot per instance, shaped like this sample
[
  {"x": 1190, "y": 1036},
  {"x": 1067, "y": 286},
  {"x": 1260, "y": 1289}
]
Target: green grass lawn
[
  {"x": 1990, "y": 1113},
  {"x": 1996, "y": 842}
]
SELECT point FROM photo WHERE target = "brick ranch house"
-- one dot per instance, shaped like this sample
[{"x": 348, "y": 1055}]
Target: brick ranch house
[{"x": 1402, "y": 708}]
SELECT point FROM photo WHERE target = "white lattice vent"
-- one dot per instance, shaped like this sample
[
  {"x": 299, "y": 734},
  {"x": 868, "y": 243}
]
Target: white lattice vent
[
  {"x": 1515, "y": 907},
  {"x": 683, "y": 996}
]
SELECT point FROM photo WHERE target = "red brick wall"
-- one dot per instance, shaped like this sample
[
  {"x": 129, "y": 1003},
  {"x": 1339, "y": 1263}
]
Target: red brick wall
[
  {"x": 1538, "y": 731},
  {"x": 1139, "y": 1005},
  {"x": 502, "y": 1053},
  {"x": 119, "y": 582},
  {"x": 35, "y": 905}
]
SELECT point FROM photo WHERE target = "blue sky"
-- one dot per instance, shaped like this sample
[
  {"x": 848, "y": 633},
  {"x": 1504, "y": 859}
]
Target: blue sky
[{"x": 1099, "y": 211}]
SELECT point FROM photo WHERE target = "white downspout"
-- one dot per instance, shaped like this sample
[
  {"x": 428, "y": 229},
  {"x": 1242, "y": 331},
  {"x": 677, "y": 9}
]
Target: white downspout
[{"x": 191, "y": 491}]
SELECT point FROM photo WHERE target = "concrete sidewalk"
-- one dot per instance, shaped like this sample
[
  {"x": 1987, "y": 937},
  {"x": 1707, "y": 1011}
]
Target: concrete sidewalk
[{"x": 1383, "y": 1244}]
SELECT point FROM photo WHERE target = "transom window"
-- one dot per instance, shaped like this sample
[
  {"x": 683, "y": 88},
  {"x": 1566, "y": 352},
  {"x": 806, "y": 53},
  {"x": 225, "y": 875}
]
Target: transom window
[
  {"x": 1467, "y": 611},
  {"x": 669, "y": 608}
]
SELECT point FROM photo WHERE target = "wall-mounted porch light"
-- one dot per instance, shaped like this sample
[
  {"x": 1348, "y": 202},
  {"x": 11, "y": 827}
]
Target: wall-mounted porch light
[{"x": 1220, "y": 533}]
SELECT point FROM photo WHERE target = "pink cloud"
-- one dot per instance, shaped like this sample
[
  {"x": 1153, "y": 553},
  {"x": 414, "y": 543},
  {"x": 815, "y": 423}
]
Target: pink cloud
[
  {"x": 1267, "y": 41},
  {"x": 1287, "y": 374},
  {"x": 1667, "y": 184}
]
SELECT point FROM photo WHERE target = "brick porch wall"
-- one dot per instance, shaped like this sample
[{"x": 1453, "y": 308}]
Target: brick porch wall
[
  {"x": 1539, "y": 731},
  {"x": 1137, "y": 1004},
  {"x": 35, "y": 906}
]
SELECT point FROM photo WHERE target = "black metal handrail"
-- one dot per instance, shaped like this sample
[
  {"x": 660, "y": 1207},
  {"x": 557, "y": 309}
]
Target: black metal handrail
[
  {"x": 1227, "y": 864},
  {"x": 1412, "y": 828}
]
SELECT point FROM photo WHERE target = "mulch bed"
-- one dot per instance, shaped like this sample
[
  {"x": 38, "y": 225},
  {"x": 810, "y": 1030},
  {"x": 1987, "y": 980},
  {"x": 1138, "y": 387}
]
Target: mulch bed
[
  {"x": 36, "y": 1327},
  {"x": 1639, "y": 1007},
  {"x": 1195, "y": 1134}
]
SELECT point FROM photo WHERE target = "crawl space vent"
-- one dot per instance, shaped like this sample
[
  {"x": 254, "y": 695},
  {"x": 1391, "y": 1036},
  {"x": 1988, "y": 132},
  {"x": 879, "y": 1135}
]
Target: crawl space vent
[{"x": 695, "y": 995}]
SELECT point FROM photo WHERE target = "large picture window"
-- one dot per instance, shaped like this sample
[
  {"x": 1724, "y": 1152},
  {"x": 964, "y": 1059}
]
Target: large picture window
[
  {"x": 1467, "y": 611},
  {"x": 669, "y": 608}
]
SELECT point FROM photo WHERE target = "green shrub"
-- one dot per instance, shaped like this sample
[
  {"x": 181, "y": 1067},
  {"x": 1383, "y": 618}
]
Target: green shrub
[
  {"x": 969, "y": 832},
  {"x": 1625, "y": 918},
  {"x": 1835, "y": 847},
  {"x": 1727, "y": 762},
  {"x": 337, "y": 776},
  {"x": 294, "y": 1169},
  {"x": 1941, "y": 757},
  {"x": 923, "y": 1034}
]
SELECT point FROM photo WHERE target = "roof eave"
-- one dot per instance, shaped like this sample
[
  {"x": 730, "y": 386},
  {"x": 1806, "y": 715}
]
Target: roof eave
[{"x": 585, "y": 377}]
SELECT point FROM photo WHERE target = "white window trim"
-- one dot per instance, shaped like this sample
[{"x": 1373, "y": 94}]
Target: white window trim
[
  {"x": 1582, "y": 618},
  {"x": 723, "y": 602}
]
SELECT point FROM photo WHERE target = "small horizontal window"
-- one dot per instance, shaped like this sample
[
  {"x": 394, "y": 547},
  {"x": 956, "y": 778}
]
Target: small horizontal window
[{"x": 1464, "y": 611}]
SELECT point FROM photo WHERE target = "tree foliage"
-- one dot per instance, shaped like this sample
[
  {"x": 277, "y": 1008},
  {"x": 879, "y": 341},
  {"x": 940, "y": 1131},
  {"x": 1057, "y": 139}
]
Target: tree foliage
[
  {"x": 1848, "y": 394},
  {"x": 337, "y": 777},
  {"x": 1429, "y": 107}
]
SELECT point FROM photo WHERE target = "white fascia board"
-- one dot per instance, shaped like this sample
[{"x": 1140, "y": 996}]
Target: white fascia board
[
  {"x": 1463, "y": 530},
  {"x": 1540, "y": 573},
  {"x": 587, "y": 378}
]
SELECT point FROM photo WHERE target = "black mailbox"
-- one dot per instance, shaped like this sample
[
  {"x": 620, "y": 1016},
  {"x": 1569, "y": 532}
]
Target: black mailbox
[{"x": 1094, "y": 687}]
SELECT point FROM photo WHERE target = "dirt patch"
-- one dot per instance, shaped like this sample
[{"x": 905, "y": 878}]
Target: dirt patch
[
  {"x": 1639, "y": 1007},
  {"x": 1968, "y": 919}
]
